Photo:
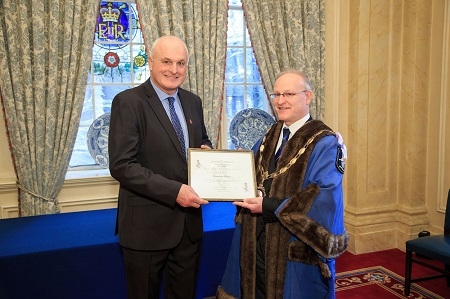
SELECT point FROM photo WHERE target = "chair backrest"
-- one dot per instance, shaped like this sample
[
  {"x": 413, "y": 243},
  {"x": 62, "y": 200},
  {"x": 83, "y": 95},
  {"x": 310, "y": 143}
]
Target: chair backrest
[{"x": 447, "y": 216}]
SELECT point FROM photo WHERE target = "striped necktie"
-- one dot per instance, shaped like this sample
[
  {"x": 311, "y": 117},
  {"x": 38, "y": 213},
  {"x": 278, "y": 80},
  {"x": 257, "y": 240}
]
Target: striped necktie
[
  {"x": 286, "y": 134},
  {"x": 176, "y": 124}
]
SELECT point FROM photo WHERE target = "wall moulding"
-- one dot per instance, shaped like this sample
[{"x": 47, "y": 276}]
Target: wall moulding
[
  {"x": 444, "y": 134},
  {"x": 8, "y": 187},
  {"x": 9, "y": 212},
  {"x": 358, "y": 218},
  {"x": 88, "y": 204},
  {"x": 92, "y": 181}
]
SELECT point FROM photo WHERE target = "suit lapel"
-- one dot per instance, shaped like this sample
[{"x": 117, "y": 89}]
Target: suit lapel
[{"x": 162, "y": 116}]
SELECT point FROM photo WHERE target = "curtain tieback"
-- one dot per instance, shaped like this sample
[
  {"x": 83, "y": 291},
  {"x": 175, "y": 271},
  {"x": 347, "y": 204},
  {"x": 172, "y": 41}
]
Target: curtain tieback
[{"x": 21, "y": 187}]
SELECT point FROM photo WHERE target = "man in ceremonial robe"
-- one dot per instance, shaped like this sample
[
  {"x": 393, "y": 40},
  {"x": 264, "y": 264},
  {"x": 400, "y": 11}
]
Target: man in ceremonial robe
[{"x": 287, "y": 239}]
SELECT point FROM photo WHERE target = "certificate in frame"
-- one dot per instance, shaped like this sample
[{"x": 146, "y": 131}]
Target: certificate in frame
[{"x": 222, "y": 175}]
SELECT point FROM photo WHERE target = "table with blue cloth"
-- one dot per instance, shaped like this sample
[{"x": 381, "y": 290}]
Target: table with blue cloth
[{"x": 76, "y": 255}]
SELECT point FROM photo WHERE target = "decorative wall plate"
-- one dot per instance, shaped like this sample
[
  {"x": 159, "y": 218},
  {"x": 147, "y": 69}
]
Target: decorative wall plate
[
  {"x": 97, "y": 140},
  {"x": 248, "y": 126}
]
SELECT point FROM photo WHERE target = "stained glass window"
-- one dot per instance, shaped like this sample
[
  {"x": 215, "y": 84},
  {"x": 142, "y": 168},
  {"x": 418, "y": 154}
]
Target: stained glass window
[{"x": 119, "y": 61}]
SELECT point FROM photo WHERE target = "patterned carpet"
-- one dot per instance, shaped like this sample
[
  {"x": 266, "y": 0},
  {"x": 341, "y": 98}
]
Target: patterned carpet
[{"x": 376, "y": 282}]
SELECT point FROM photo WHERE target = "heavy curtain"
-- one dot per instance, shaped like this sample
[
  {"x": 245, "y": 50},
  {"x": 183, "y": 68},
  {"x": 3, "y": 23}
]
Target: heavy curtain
[
  {"x": 45, "y": 48},
  {"x": 202, "y": 25},
  {"x": 289, "y": 34}
]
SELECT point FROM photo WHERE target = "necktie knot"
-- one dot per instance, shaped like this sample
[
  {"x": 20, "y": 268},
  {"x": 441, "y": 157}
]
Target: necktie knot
[{"x": 286, "y": 133}]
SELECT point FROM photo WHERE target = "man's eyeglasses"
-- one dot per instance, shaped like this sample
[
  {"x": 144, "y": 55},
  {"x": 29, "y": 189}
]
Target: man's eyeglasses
[{"x": 286, "y": 94}]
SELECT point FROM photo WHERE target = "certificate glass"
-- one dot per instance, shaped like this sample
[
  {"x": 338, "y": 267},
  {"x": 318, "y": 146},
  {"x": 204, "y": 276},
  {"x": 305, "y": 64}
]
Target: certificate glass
[{"x": 222, "y": 175}]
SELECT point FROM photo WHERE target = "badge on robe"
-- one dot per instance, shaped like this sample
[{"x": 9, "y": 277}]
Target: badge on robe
[{"x": 340, "y": 162}]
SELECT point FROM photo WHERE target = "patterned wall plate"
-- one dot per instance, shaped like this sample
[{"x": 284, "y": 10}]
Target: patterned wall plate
[
  {"x": 97, "y": 140},
  {"x": 248, "y": 126}
]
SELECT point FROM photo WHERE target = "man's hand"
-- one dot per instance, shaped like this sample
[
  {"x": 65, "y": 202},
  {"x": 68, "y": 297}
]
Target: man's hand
[
  {"x": 204, "y": 147},
  {"x": 253, "y": 204},
  {"x": 188, "y": 198}
]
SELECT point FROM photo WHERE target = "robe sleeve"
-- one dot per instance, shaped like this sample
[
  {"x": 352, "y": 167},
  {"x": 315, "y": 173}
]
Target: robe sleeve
[{"x": 315, "y": 215}]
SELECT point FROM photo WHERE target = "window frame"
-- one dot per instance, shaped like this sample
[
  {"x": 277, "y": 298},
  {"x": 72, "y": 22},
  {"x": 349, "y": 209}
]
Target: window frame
[
  {"x": 95, "y": 170},
  {"x": 246, "y": 45}
]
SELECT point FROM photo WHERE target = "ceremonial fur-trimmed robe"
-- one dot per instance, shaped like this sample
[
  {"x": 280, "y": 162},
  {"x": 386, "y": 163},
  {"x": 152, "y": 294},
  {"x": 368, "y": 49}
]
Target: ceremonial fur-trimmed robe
[{"x": 301, "y": 247}]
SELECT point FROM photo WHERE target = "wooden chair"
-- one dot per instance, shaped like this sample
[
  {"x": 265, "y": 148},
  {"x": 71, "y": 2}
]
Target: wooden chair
[{"x": 433, "y": 247}]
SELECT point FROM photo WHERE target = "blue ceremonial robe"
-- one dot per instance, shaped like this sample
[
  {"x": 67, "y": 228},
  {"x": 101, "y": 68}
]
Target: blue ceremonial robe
[{"x": 303, "y": 280}]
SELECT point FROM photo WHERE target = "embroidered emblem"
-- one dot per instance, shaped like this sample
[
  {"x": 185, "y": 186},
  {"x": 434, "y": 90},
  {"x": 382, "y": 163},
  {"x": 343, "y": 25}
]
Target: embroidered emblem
[{"x": 340, "y": 163}]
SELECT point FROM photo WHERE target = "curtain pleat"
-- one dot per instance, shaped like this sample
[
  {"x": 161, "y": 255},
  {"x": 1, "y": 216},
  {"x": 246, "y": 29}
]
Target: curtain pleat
[
  {"x": 289, "y": 34},
  {"x": 45, "y": 48},
  {"x": 202, "y": 25}
]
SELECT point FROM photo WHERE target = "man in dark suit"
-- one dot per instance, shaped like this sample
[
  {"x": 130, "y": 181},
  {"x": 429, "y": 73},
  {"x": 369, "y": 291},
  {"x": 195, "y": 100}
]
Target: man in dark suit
[{"x": 159, "y": 219}]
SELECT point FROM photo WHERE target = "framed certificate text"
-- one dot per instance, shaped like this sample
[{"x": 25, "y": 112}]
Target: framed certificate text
[{"x": 222, "y": 175}]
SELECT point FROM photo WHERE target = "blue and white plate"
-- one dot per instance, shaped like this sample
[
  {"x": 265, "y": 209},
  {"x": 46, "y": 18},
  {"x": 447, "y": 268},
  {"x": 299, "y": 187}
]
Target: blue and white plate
[
  {"x": 97, "y": 140},
  {"x": 248, "y": 126}
]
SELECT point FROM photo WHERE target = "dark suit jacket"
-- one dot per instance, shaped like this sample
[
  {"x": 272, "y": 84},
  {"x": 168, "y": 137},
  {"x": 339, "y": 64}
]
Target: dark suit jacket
[{"x": 145, "y": 157}]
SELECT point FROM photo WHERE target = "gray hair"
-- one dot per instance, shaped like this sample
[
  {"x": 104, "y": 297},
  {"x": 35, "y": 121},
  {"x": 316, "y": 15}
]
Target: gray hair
[
  {"x": 156, "y": 42},
  {"x": 305, "y": 78}
]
